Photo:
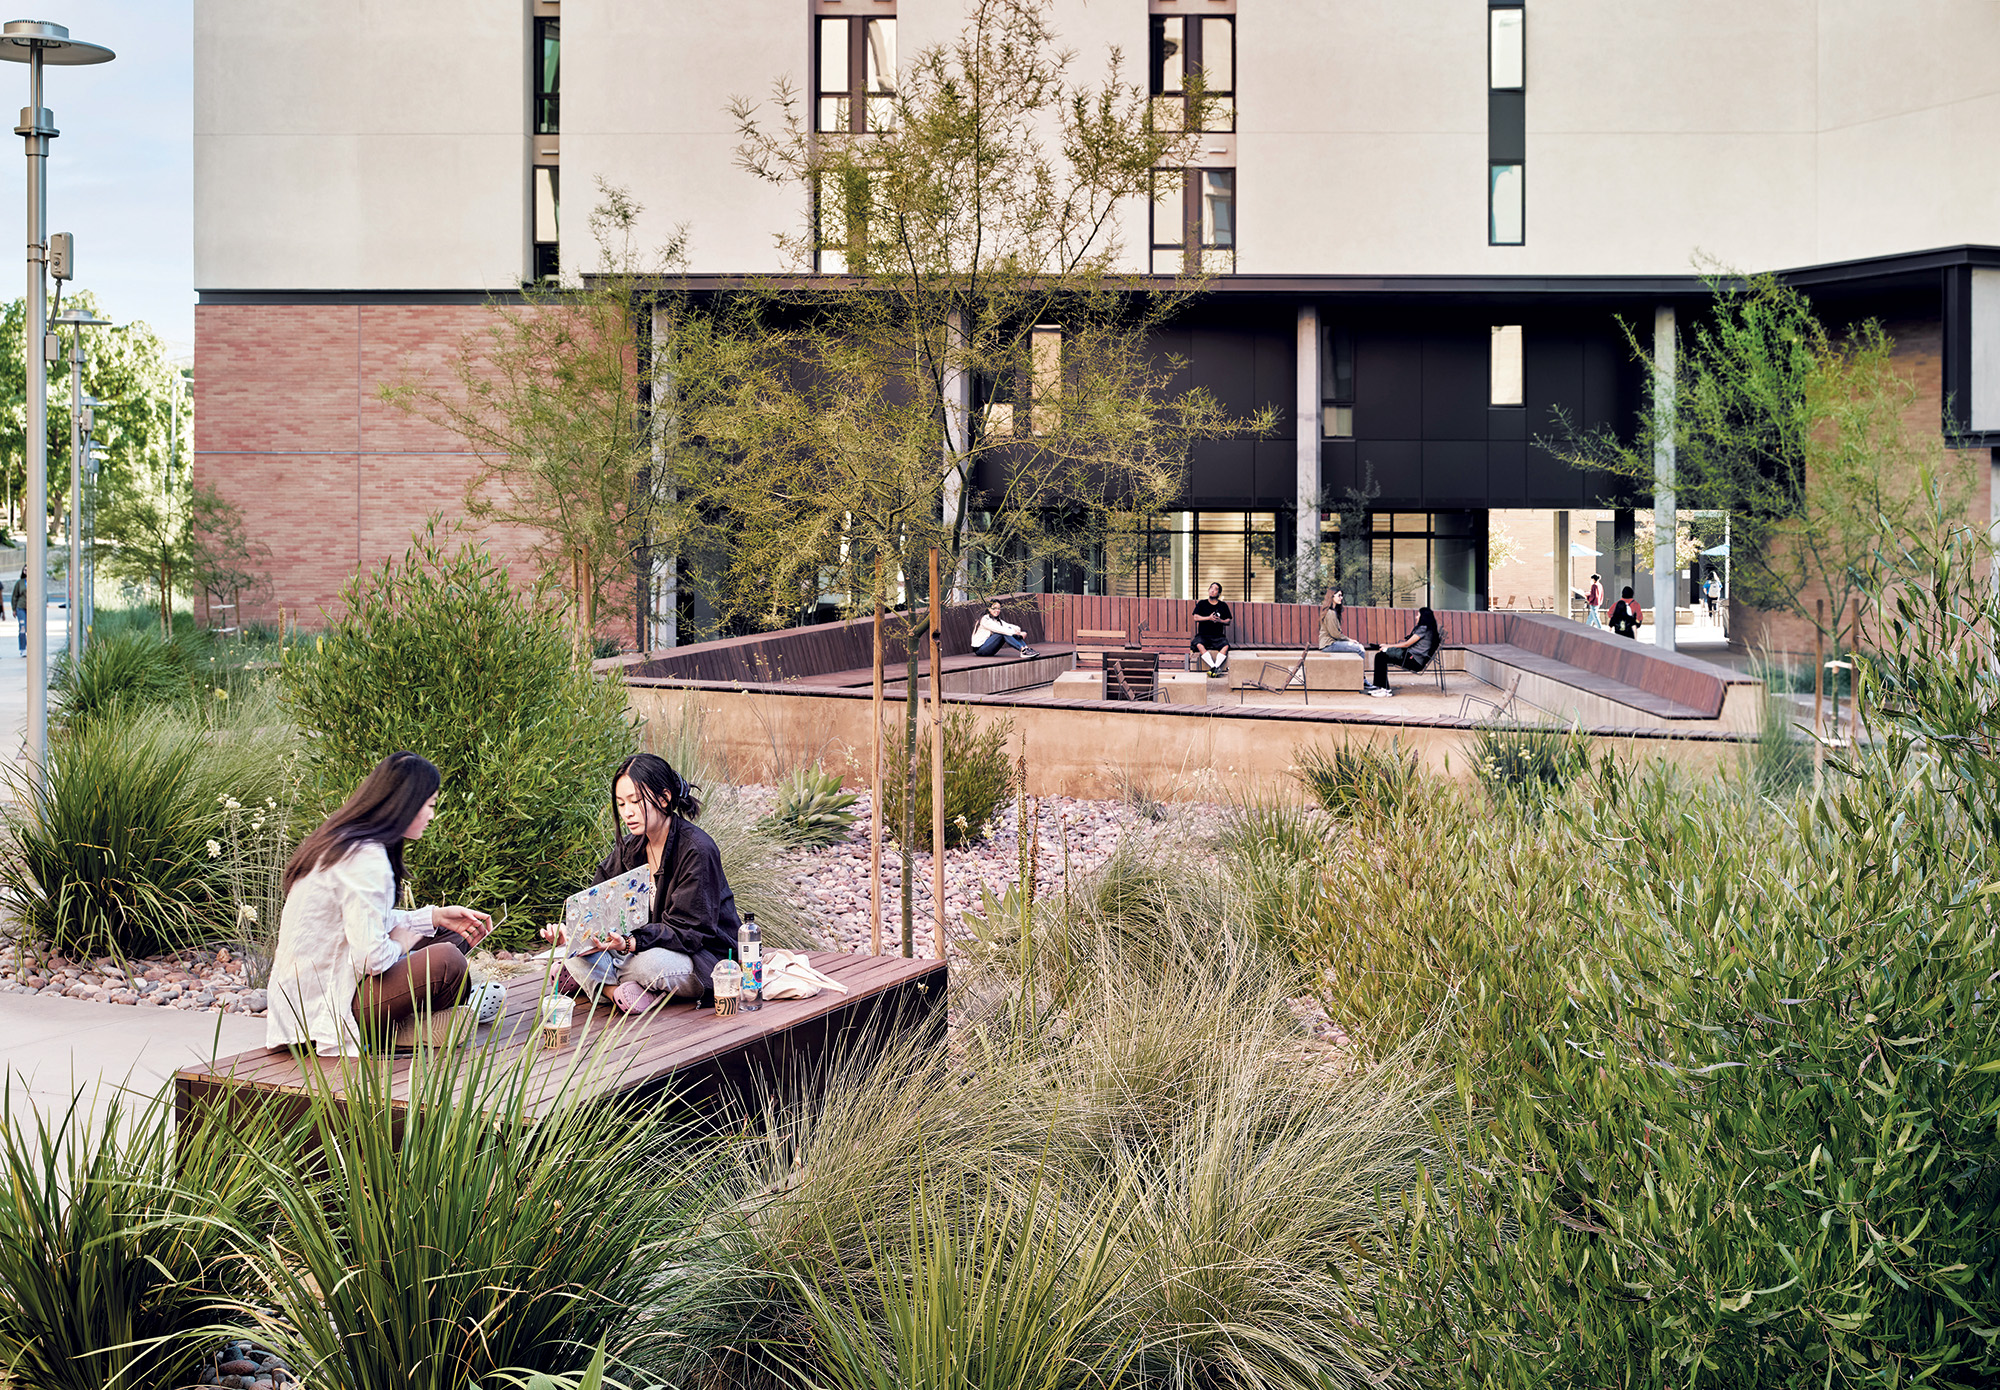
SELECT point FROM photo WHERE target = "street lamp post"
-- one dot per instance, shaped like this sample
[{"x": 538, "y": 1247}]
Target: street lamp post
[
  {"x": 37, "y": 42},
  {"x": 78, "y": 319}
]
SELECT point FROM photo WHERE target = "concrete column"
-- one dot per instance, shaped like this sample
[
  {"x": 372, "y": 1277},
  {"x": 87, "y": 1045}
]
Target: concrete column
[
  {"x": 957, "y": 437},
  {"x": 1305, "y": 539},
  {"x": 1666, "y": 568},
  {"x": 1561, "y": 562},
  {"x": 664, "y": 606}
]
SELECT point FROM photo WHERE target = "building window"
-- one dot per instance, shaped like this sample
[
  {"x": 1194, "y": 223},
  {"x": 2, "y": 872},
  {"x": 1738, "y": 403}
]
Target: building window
[
  {"x": 1177, "y": 555},
  {"x": 1505, "y": 377},
  {"x": 548, "y": 75},
  {"x": 1407, "y": 559},
  {"x": 855, "y": 90},
  {"x": 1201, "y": 47},
  {"x": 1336, "y": 383},
  {"x": 1194, "y": 221},
  {"x": 1506, "y": 215},
  {"x": 548, "y": 235},
  {"x": 1507, "y": 49}
]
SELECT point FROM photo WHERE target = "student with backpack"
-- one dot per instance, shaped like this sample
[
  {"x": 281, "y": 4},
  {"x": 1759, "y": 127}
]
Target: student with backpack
[{"x": 1626, "y": 615}]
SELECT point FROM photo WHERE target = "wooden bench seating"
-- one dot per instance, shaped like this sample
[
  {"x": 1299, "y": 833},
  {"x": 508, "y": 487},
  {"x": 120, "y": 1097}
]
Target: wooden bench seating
[
  {"x": 966, "y": 661},
  {"x": 676, "y": 1047},
  {"x": 1521, "y": 659}
]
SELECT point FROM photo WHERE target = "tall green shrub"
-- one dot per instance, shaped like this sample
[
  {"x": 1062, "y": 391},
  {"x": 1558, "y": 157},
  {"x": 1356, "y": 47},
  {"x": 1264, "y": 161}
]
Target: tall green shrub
[
  {"x": 125, "y": 669},
  {"x": 977, "y": 778},
  {"x": 438, "y": 654}
]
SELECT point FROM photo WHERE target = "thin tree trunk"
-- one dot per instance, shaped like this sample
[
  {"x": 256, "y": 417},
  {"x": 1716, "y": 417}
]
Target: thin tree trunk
[{"x": 912, "y": 626}]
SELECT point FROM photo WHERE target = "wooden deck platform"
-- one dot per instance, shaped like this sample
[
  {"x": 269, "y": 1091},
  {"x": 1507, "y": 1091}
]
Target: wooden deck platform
[{"x": 675, "y": 1047}]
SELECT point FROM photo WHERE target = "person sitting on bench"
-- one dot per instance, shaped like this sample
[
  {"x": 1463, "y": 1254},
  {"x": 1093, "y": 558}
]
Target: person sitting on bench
[
  {"x": 693, "y": 923},
  {"x": 992, "y": 630},
  {"x": 1331, "y": 637},
  {"x": 1211, "y": 631},
  {"x": 350, "y": 969},
  {"x": 1413, "y": 653}
]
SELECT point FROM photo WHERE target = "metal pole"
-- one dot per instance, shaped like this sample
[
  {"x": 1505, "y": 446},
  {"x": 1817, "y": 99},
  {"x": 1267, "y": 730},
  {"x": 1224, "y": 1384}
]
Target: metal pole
[
  {"x": 36, "y": 129},
  {"x": 937, "y": 767},
  {"x": 75, "y": 607}
]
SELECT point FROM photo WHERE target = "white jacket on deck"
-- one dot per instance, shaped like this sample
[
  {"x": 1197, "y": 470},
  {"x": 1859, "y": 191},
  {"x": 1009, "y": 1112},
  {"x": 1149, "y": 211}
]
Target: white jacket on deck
[
  {"x": 335, "y": 929},
  {"x": 990, "y": 626}
]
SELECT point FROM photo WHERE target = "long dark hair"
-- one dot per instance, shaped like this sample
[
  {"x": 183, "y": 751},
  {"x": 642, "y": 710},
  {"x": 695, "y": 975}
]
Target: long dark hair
[
  {"x": 378, "y": 813},
  {"x": 1426, "y": 618},
  {"x": 657, "y": 781}
]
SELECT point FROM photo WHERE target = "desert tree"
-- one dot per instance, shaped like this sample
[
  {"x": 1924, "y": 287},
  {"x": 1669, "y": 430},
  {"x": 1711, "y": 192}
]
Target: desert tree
[
  {"x": 552, "y": 394},
  {"x": 960, "y": 363},
  {"x": 1816, "y": 442}
]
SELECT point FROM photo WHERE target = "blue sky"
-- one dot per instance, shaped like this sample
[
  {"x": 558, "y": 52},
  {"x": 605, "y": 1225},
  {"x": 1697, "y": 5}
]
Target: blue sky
[{"x": 121, "y": 175}]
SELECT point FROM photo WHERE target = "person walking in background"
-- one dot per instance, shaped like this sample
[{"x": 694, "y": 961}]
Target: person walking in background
[
  {"x": 1211, "y": 631},
  {"x": 1711, "y": 592},
  {"x": 21, "y": 607},
  {"x": 1592, "y": 601},
  {"x": 1626, "y": 615}
]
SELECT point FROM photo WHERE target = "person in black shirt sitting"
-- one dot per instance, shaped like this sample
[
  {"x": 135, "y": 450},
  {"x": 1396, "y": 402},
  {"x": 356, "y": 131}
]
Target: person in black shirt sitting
[
  {"x": 1211, "y": 631},
  {"x": 1413, "y": 653}
]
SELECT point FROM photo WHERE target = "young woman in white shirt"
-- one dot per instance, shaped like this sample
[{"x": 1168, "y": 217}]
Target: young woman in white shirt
[{"x": 350, "y": 967}]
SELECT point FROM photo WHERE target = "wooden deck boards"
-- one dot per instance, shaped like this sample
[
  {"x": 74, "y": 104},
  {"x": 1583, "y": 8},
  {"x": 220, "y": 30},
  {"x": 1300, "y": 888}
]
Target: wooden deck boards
[{"x": 676, "y": 1045}]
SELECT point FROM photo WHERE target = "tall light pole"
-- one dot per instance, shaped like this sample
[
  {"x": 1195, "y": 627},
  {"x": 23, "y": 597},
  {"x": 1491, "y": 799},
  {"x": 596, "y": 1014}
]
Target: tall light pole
[
  {"x": 37, "y": 42},
  {"x": 78, "y": 319}
]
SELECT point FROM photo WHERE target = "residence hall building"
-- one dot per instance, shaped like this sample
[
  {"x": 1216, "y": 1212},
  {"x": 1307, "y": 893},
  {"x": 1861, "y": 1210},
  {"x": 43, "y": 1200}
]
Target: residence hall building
[{"x": 1426, "y": 220}]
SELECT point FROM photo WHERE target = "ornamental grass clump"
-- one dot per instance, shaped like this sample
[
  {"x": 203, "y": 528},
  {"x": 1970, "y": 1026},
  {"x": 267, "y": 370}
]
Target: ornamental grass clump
[
  {"x": 123, "y": 671},
  {"x": 120, "y": 1233},
  {"x": 438, "y": 1244},
  {"x": 978, "y": 778},
  {"x": 1359, "y": 780},
  {"x": 125, "y": 848},
  {"x": 437, "y": 653}
]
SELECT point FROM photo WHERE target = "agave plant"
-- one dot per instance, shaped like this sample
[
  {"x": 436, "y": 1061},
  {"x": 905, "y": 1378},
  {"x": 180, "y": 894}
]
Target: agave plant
[{"x": 812, "y": 809}]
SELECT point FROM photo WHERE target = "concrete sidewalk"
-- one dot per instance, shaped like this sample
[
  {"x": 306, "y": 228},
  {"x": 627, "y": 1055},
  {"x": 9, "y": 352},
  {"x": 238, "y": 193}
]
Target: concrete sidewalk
[{"x": 52, "y": 1048}]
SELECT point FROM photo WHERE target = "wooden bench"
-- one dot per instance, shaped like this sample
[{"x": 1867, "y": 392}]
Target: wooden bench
[
  {"x": 676, "y": 1047},
  {"x": 1093, "y": 643}
]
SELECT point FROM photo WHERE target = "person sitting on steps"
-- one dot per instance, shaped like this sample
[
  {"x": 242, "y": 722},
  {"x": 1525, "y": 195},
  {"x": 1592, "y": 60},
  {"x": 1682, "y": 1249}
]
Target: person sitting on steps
[
  {"x": 1413, "y": 653},
  {"x": 1211, "y": 631},
  {"x": 992, "y": 630}
]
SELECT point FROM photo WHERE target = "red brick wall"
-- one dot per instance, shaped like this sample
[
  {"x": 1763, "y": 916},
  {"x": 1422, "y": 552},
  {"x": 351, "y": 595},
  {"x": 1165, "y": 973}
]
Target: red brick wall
[
  {"x": 1919, "y": 355},
  {"x": 290, "y": 427}
]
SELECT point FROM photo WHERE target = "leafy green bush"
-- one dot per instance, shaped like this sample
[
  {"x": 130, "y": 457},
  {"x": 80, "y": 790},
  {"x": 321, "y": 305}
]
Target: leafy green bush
[
  {"x": 436, "y": 653},
  {"x": 123, "y": 851},
  {"x": 129, "y": 669},
  {"x": 117, "y": 1237},
  {"x": 812, "y": 809},
  {"x": 1359, "y": 779},
  {"x": 1526, "y": 764},
  {"x": 977, "y": 778}
]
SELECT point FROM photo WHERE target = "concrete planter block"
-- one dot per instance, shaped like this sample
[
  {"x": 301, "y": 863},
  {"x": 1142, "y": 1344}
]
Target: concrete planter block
[
  {"x": 1080, "y": 685},
  {"x": 1333, "y": 671}
]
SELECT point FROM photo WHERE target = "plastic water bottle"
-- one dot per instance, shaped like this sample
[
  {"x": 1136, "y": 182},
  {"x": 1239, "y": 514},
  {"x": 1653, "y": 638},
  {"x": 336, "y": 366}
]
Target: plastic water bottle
[{"x": 750, "y": 951}]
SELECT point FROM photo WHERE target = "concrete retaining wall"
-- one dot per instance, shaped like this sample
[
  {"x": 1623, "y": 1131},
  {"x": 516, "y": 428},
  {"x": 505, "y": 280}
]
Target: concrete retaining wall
[{"x": 1176, "y": 753}]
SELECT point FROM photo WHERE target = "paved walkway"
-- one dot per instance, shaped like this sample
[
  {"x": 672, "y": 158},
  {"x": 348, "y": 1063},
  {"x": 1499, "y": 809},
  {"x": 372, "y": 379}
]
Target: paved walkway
[
  {"x": 53, "y": 1048},
  {"x": 14, "y": 678}
]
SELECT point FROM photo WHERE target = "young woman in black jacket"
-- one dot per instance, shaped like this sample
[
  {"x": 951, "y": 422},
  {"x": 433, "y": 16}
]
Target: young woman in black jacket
[{"x": 693, "y": 921}]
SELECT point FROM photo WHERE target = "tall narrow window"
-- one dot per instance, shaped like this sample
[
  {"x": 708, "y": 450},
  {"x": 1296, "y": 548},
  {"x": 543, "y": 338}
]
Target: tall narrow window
[
  {"x": 1336, "y": 383},
  {"x": 548, "y": 234},
  {"x": 1506, "y": 123},
  {"x": 1201, "y": 47},
  {"x": 1507, "y": 49},
  {"x": 1169, "y": 221},
  {"x": 1194, "y": 221},
  {"x": 1218, "y": 221},
  {"x": 1045, "y": 378},
  {"x": 1506, "y": 212},
  {"x": 1506, "y": 374},
  {"x": 548, "y": 75},
  {"x": 854, "y": 87}
]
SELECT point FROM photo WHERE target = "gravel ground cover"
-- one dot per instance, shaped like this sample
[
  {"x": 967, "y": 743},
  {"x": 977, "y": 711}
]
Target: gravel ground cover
[{"x": 831, "y": 883}]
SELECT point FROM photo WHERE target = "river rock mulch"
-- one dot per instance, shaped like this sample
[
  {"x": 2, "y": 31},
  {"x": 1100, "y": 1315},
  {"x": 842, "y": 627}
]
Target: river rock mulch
[{"x": 215, "y": 980}]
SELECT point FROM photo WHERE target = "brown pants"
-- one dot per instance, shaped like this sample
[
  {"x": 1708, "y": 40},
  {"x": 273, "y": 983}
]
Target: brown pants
[{"x": 432, "y": 976}]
